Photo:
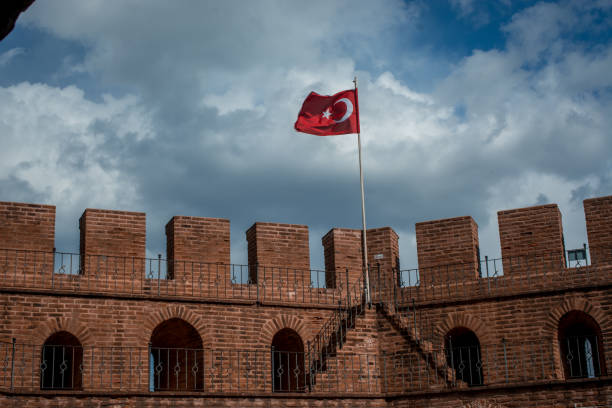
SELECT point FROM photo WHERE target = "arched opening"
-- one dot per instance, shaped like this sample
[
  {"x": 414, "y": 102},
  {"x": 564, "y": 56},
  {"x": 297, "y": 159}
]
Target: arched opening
[
  {"x": 288, "y": 362},
  {"x": 176, "y": 360},
  {"x": 581, "y": 346},
  {"x": 463, "y": 355},
  {"x": 61, "y": 362}
]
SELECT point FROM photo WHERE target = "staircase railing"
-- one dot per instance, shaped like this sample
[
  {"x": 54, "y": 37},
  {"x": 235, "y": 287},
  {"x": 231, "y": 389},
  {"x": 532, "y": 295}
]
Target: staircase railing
[
  {"x": 384, "y": 294},
  {"x": 408, "y": 318},
  {"x": 332, "y": 335},
  {"x": 387, "y": 295}
]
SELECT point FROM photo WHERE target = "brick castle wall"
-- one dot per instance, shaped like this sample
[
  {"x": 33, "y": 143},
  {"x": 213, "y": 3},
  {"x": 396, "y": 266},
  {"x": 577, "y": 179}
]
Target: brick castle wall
[
  {"x": 452, "y": 241},
  {"x": 598, "y": 214},
  {"x": 342, "y": 249},
  {"x": 279, "y": 246},
  {"x": 516, "y": 323},
  {"x": 199, "y": 240},
  {"x": 531, "y": 239},
  {"x": 27, "y": 226},
  {"x": 109, "y": 233}
]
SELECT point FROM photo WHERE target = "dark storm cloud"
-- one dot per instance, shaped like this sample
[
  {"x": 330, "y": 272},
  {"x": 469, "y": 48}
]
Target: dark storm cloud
[{"x": 16, "y": 190}]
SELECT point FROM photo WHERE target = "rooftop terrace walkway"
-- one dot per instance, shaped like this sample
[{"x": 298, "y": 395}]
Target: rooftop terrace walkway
[{"x": 109, "y": 275}]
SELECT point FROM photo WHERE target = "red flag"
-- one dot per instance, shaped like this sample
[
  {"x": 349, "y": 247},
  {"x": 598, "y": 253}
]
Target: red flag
[{"x": 324, "y": 115}]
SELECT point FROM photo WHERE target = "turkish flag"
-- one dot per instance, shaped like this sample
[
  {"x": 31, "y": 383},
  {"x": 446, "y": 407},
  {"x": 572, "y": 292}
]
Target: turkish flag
[{"x": 324, "y": 115}]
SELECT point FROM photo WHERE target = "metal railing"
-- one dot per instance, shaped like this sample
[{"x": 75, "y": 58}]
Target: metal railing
[
  {"x": 157, "y": 277},
  {"x": 579, "y": 357},
  {"x": 333, "y": 333},
  {"x": 583, "y": 356},
  {"x": 153, "y": 369},
  {"x": 508, "y": 275}
]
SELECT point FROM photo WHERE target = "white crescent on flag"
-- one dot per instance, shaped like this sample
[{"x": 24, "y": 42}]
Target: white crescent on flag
[{"x": 349, "y": 109}]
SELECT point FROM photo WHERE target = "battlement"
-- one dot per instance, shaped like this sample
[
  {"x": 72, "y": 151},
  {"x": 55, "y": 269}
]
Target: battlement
[
  {"x": 112, "y": 246},
  {"x": 194, "y": 322},
  {"x": 448, "y": 241},
  {"x": 343, "y": 251},
  {"x": 598, "y": 214},
  {"x": 119, "y": 234},
  {"x": 27, "y": 226},
  {"x": 279, "y": 245},
  {"x": 195, "y": 239}
]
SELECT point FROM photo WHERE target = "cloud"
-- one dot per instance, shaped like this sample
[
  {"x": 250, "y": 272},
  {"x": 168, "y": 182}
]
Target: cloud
[
  {"x": 59, "y": 147},
  {"x": 7, "y": 56},
  {"x": 200, "y": 121},
  {"x": 476, "y": 13}
]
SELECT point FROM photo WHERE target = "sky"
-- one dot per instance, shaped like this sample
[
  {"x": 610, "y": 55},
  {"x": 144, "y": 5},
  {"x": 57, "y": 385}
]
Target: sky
[{"x": 466, "y": 107}]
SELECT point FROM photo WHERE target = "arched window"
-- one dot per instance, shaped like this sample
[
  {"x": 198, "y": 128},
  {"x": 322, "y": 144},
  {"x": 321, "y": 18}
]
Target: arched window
[
  {"x": 176, "y": 360},
  {"x": 581, "y": 346},
  {"x": 61, "y": 362},
  {"x": 463, "y": 355},
  {"x": 288, "y": 362}
]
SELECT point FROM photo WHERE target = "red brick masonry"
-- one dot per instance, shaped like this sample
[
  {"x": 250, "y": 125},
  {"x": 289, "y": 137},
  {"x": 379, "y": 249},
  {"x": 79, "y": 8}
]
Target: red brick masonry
[{"x": 392, "y": 353}]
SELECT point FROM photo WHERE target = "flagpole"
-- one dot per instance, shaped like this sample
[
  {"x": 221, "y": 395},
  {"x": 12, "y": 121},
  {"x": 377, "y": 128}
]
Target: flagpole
[{"x": 363, "y": 217}]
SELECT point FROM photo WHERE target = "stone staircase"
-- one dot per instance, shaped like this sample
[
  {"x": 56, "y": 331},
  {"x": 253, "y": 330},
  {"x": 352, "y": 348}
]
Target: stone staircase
[
  {"x": 333, "y": 334},
  {"x": 326, "y": 364},
  {"x": 409, "y": 329}
]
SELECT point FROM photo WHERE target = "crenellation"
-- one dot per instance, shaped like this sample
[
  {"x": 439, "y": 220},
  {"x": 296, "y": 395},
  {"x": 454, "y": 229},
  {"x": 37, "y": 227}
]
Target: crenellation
[
  {"x": 447, "y": 242},
  {"x": 396, "y": 351},
  {"x": 343, "y": 251},
  {"x": 598, "y": 215},
  {"x": 120, "y": 234},
  {"x": 531, "y": 238},
  {"x": 279, "y": 245}
]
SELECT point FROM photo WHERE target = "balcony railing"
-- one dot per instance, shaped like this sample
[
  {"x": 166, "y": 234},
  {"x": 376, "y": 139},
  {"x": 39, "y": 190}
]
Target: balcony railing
[
  {"x": 157, "y": 277},
  {"x": 156, "y": 369},
  {"x": 511, "y": 275}
]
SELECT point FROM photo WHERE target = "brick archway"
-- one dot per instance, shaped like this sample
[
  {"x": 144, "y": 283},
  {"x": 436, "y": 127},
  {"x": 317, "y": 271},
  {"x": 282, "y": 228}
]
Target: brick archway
[
  {"x": 453, "y": 320},
  {"x": 579, "y": 304},
  {"x": 273, "y": 326},
  {"x": 551, "y": 325},
  {"x": 173, "y": 312},
  {"x": 53, "y": 325}
]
